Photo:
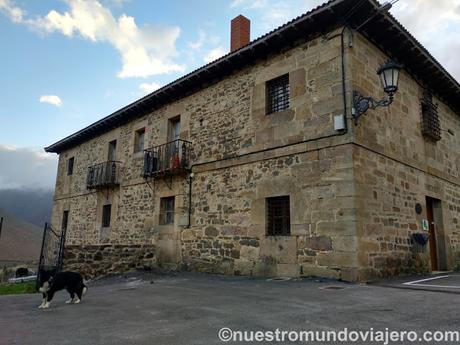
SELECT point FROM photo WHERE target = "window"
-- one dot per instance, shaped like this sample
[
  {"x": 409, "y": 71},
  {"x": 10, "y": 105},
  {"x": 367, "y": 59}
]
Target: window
[
  {"x": 278, "y": 216},
  {"x": 277, "y": 94},
  {"x": 431, "y": 127},
  {"x": 139, "y": 140},
  {"x": 106, "y": 213},
  {"x": 112, "y": 153},
  {"x": 167, "y": 210},
  {"x": 174, "y": 129},
  {"x": 65, "y": 220},
  {"x": 70, "y": 164},
  {"x": 174, "y": 135}
]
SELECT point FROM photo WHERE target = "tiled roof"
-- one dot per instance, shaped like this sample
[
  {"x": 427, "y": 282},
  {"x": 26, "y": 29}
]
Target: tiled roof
[{"x": 383, "y": 30}]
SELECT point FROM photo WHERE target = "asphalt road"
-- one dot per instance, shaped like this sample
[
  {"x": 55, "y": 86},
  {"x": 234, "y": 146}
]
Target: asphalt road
[{"x": 190, "y": 309}]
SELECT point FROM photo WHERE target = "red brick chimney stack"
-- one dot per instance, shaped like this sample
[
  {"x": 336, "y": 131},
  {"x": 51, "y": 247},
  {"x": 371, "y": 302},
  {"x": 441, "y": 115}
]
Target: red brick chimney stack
[{"x": 240, "y": 32}]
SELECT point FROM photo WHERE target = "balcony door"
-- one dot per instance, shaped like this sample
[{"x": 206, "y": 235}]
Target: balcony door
[
  {"x": 112, "y": 152},
  {"x": 173, "y": 157},
  {"x": 174, "y": 129}
]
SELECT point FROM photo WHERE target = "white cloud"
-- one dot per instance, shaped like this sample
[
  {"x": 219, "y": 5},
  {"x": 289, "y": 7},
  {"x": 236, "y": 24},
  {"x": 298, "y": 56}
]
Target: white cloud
[
  {"x": 16, "y": 14},
  {"x": 199, "y": 43},
  {"x": 269, "y": 14},
  {"x": 253, "y": 4},
  {"x": 214, "y": 54},
  {"x": 26, "y": 168},
  {"x": 51, "y": 99},
  {"x": 436, "y": 24},
  {"x": 149, "y": 87},
  {"x": 145, "y": 51}
]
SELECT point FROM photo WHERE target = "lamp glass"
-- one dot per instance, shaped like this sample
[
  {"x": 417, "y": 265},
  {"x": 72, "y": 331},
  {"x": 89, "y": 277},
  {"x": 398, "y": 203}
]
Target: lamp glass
[{"x": 389, "y": 77}]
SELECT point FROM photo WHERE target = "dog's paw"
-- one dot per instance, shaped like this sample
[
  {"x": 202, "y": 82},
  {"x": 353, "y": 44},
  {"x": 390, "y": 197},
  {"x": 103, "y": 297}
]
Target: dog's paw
[
  {"x": 40, "y": 306},
  {"x": 69, "y": 301},
  {"x": 77, "y": 301},
  {"x": 46, "y": 306}
]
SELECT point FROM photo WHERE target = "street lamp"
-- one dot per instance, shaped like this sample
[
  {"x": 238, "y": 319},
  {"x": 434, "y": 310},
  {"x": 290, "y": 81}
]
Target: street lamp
[{"x": 389, "y": 77}]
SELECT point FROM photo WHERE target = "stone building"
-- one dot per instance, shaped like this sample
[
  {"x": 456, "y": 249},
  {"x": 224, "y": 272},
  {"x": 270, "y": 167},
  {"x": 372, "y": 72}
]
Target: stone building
[{"x": 253, "y": 164}]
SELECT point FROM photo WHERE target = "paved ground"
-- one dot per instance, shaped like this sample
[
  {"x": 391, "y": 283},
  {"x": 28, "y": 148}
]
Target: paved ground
[
  {"x": 190, "y": 309},
  {"x": 447, "y": 282}
]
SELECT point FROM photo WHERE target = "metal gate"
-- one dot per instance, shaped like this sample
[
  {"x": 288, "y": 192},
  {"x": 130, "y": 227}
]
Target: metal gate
[{"x": 52, "y": 252}]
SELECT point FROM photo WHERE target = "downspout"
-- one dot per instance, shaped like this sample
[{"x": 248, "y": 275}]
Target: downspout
[{"x": 190, "y": 199}]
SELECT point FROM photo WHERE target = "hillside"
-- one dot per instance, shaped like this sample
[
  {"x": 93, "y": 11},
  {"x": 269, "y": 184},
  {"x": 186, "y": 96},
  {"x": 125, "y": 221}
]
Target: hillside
[
  {"x": 19, "y": 241},
  {"x": 31, "y": 205}
]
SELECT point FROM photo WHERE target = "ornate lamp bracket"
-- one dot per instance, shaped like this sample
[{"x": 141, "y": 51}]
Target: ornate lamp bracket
[{"x": 362, "y": 104}]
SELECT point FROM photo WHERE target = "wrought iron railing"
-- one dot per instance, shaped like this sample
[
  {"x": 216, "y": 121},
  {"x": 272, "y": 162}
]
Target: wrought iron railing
[
  {"x": 167, "y": 159},
  {"x": 103, "y": 175}
]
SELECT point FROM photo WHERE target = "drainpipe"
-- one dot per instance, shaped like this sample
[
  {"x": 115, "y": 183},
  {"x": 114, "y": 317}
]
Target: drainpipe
[{"x": 190, "y": 180}]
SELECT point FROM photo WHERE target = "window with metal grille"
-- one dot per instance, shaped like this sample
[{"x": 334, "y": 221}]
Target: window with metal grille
[
  {"x": 106, "y": 213},
  {"x": 431, "y": 127},
  {"x": 277, "y": 95},
  {"x": 278, "y": 216},
  {"x": 167, "y": 210},
  {"x": 70, "y": 164}
]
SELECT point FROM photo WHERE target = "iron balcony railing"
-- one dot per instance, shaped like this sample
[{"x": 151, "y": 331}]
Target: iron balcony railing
[
  {"x": 167, "y": 159},
  {"x": 103, "y": 175}
]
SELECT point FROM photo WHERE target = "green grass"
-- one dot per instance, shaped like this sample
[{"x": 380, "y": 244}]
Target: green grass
[{"x": 16, "y": 289}]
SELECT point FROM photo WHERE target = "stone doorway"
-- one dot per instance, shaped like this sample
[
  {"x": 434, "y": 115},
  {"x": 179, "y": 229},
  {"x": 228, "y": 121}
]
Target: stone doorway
[{"x": 437, "y": 240}]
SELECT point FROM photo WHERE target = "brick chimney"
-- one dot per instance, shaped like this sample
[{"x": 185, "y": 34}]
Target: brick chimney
[{"x": 240, "y": 32}]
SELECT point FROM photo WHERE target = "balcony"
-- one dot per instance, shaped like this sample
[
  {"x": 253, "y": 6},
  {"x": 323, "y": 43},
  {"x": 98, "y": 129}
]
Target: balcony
[
  {"x": 172, "y": 158},
  {"x": 103, "y": 175}
]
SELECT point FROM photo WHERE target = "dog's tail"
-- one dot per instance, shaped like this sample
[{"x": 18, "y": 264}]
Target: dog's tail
[{"x": 84, "y": 290}]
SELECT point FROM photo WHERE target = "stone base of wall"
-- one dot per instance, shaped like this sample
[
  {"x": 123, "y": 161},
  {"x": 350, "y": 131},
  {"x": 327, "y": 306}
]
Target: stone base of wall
[{"x": 97, "y": 260}]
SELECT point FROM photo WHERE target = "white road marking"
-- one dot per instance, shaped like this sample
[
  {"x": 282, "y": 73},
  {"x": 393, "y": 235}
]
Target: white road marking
[
  {"x": 438, "y": 286},
  {"x": 417, "y": 283},
  {"x": 424, "y": 280}
]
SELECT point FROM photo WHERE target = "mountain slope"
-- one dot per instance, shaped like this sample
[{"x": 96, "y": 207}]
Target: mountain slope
[
  {"x": 32, "y": 205},
  {"x": 19, "y": 240}
]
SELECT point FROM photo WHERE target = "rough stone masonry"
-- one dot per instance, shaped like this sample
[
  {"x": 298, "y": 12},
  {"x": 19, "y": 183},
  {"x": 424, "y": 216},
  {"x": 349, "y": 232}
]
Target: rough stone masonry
[{"x": 352, "y": 196}]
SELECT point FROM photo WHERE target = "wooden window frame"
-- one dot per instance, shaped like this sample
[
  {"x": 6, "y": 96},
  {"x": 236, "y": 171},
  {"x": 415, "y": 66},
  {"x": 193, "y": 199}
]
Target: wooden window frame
[
  {"x": 137, "y": 142},
  {"x": 167, "y": 206},
  {"x": 112, "y": 151}
]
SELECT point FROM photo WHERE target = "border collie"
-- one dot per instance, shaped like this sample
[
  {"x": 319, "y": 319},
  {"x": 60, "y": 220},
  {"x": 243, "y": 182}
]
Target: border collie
[{"x": 71, "y": 281}]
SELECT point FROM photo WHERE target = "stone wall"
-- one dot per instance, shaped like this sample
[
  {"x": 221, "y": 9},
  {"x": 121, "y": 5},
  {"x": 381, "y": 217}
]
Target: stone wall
[
  {"x": 227, "y": 126},
  {"x": 352, "y": 196},
  {"x": 396, "y": 168},
  {"x": 97, "y": 260},
  {"x": 229, "y": 228}
]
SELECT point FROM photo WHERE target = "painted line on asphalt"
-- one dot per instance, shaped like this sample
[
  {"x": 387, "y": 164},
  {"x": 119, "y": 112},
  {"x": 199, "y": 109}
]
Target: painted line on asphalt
[
  {"x": 424, "y": 280},
  {"x": 437, "y": 286},
  {"x": 417, "y": 283}
]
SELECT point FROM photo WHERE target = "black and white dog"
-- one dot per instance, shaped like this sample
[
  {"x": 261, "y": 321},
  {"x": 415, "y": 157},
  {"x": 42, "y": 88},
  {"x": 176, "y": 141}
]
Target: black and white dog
[{"x": 50, "y": 284}]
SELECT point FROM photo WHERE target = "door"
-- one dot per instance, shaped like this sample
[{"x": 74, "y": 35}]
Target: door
[
  {"x": 432, "y": 231},
  {"x": 174, "y": 129},
  {"x": 112, "y": 152},
  {"x": 174, "y": 146}
]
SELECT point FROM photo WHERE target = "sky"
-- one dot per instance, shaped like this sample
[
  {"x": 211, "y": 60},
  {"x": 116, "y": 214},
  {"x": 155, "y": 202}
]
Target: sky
[{"x": 64, "y": 64}]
